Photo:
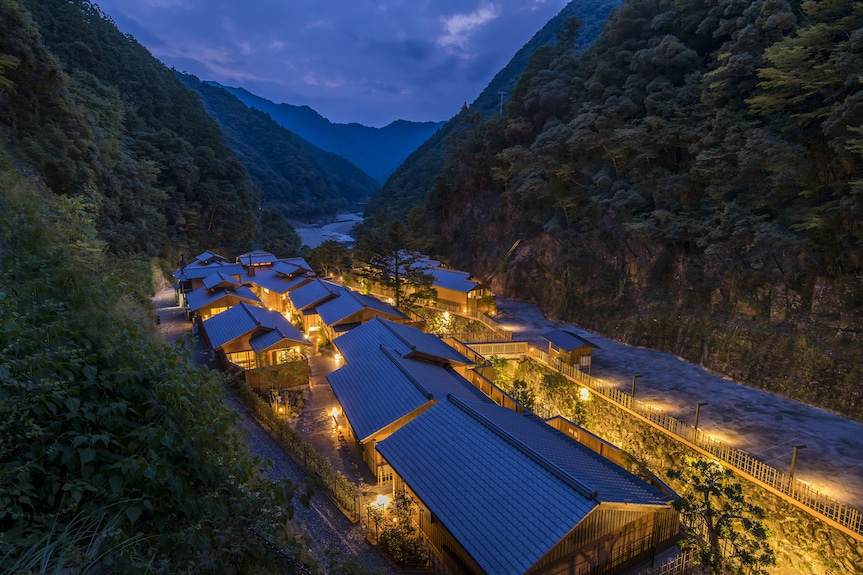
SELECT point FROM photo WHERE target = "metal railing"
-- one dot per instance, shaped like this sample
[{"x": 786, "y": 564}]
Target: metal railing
[{"x": 842, "y": 515}]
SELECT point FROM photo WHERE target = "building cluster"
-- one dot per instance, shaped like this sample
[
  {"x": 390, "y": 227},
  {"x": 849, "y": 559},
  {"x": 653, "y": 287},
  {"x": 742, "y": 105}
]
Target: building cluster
[{"x": 498, "y": 491}]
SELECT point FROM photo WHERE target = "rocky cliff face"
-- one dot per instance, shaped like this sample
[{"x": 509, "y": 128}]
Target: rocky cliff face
[{"x": 754, "y": 317}]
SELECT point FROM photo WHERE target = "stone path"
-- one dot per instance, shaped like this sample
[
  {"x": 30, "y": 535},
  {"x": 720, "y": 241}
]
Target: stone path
[{"x": 765, "y": 425}]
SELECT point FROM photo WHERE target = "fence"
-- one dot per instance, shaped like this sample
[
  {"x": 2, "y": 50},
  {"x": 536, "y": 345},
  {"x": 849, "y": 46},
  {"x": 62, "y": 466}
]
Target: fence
[
  {"x": 843, "y": 516},
  {"x": 508, "y": 349},
  {"x": 677, "y": 565},
  {"x": 303, "y": 452}
]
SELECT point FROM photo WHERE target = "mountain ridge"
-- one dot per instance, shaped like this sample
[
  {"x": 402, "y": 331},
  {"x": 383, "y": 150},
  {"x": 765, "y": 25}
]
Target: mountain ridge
[{"x": 377, "y": 151}]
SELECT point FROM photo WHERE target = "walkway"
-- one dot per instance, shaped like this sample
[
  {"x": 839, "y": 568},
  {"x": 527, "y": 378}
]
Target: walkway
[
  {"x": 324, "y": 523},
  {"x": 765, "y": 425}
]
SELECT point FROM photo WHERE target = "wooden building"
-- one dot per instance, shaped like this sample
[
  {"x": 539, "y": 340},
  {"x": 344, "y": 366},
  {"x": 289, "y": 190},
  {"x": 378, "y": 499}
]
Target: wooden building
[
  {"x": 569, "y": 348},
  {"x": 272, "y": 283},
  {"x": 251, "y": 337},
  {"x": 334, "y": 310},
  {"x": 498, "y": 492},
  {"x": 503, "y": 493},
  {"x": 218, "y": 293},
  {"x": 191, "y": 277}
]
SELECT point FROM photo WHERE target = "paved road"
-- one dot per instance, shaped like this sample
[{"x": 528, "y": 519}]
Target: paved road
[{"x": 766, "y": 425}]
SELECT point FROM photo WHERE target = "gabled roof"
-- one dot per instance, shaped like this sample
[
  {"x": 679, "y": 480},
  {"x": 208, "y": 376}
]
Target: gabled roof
[
  {"x": 199, "y": 271},
  {"x": 203, "y": 297},
  {"x": 567, "y": 341},
  {"x": 220, "y": 280},
  {"x": 451, "y": 456},
  {"x": 273, "y": 281},
  {"x": 256, "y": 258},
  {"x": 453, "y": 279},
  {"x": 381, "y": 387},
  {"x": 208, "y": 257},
  {"x": 611, "y": 482},
  {"x": 404, "y": 340},
  {"x": 291, "y": 267},
  {"x": 312, "y": 293},
  {"x": 348, "y": 303},
  {"x": 269, "y": 328}
]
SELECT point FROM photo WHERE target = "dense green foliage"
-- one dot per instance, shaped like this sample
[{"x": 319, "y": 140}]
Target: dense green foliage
[
  {"x": 294, "y": 177},
  {"x": 409, "y": 186},
  {"x": 115, "y": 454},
  {"x": 98, "y": 117},
  {"x": 377, "y": 151},
  {"x": 697, "y": 167},
  {"x": 382, "y": 260},
  {"x": 728, "y": 536}
]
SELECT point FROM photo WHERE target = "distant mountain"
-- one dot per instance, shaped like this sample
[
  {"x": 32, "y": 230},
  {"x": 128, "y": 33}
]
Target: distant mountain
[
  {"x": 410, "y": 184},
  {"x": 377, "y": 151},
  {"x": 295, "y": 176}
]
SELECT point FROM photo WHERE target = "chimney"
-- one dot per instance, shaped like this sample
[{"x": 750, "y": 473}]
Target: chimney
[
  {"x": 251, "y": 267},
  {"x": 182, "y": 264}
]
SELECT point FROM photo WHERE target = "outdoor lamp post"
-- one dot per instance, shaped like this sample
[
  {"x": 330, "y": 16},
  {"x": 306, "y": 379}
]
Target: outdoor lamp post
[
  {"x": 632, "y": 394},
  {"x": 697, "y": 413},
  {"x": 794, "y": 461}
]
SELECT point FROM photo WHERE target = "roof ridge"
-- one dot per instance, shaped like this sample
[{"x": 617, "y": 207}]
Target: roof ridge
[
  {"x": 249, "y": 312},
  {"x": 355, "y": 297},
  {"x": 392, "y": 357},
  {"x": 397, "y": 335},
  {"x": 544, "y": 462}
]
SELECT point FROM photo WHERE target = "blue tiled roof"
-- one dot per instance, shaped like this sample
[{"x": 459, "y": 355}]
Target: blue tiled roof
[
  {"x": 453, "y": 280},
  {"x": 202, "y": 297},
  {"x": 209, "y": 256},
  {"x": 380, "y": 387},
  {"x": 403, "y": 339},
  {"x": 242, "y": 319},
  {"x": 273, "y": 281},
  {"x": 299, "y": 262},
  {"x": 348, "y": 303},
  {"x": 374, "y": 392},
  {"x": 257, "y": 257},
  {"x": 611, "y": 482},
  {"x": 289, "y": 269},
  {"x": 220, "y": 279},
  {"x": 469, "y": 475},
  {"x": 311, "y": 294},
  {"x": 566, "y": 340},
  {"x": 196, "y": 271}
]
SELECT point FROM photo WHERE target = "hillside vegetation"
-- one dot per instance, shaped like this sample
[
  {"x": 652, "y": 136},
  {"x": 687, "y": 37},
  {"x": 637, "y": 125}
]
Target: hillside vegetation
[
  {"x": 408, "y": 187},
  {"x": 99, "y": 118},
  {"x": 691, "y": 182},
  {"x": 377, "y": 151},
  {"x": 295, "y": 177}
]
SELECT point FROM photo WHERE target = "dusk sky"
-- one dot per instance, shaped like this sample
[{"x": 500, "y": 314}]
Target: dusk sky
[{"x": 350, "y": 60}]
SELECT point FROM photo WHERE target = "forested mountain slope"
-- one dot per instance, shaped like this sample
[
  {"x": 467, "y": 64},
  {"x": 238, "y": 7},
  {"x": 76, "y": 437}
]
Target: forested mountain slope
[
  {"x": 99, "y": 118},
  {"x": 409, "y": 185},
  {"x": 377, "y": 151},
  {"x": 691, "y": 182},
  {"x": 294, "y": 176},
  {"x": 116, "y": 454}
]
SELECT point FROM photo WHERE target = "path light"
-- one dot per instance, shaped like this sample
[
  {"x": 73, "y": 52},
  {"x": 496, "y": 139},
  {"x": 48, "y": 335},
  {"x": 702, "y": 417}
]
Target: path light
[
  {"x": 382, "y": 501},
  {"x": 632, "y": 395},
  {"x": 697, "y": 413},
  {"x": 583, "y": 394},
  {"x": 338, "y": 357},
  {"x": 794, "y": 461}
]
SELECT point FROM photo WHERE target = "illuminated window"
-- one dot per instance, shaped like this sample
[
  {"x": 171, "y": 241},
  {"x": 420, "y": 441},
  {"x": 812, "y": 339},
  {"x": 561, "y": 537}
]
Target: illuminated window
[{"x": 244, "y": 359}]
